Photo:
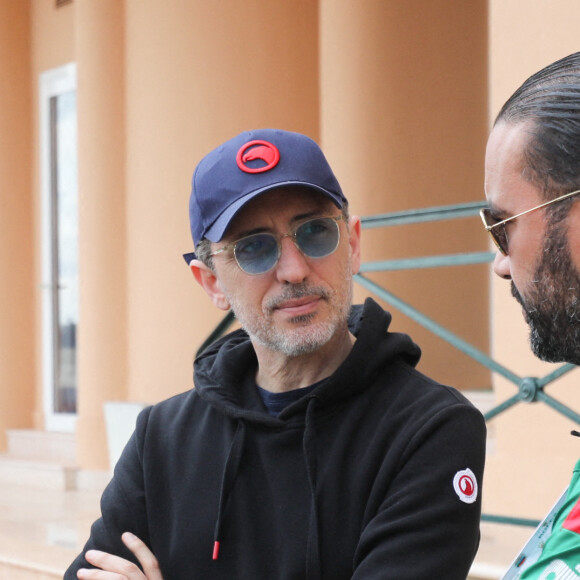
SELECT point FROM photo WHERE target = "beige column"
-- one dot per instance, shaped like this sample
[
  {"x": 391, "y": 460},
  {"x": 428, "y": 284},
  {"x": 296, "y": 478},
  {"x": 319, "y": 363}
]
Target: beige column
[
  {"x": 101, "y": 125},
  {"x": 17, "y": 374},
  {"x": 404, "y": 118},
  {"x": 198, "y": 73}
]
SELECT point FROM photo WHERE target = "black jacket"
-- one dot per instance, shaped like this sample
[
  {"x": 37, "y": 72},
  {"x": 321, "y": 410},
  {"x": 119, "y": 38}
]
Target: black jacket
[{"x": 373, "y": 474}]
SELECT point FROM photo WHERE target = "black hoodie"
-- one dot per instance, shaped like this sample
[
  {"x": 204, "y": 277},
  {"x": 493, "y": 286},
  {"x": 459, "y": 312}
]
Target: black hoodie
[{"x": 372, "y": 474}]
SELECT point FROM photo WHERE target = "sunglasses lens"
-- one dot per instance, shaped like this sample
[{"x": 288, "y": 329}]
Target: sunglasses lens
[
  {"x": 499, "y": 236},
  {"x": 498, "y": 233},
  {"x": 257, "y": 254},
  {"x": 318, "y": 238}
]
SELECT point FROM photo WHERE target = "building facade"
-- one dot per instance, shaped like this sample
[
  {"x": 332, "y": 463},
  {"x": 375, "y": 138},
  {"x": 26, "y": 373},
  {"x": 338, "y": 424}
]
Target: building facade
[{"x": 108, "y": 105}]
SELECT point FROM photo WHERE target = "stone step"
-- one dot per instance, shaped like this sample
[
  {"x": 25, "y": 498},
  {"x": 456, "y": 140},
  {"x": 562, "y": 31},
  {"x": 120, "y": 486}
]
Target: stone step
[
  {"x": 39, "y": 474},
  {"x": 26, "y": 560},
  {"x": 46, "y": 460},
  {"x": 43, "y": 530},
  {"x": 41, "y": 445},
  {"x": 16, "y": 570}
]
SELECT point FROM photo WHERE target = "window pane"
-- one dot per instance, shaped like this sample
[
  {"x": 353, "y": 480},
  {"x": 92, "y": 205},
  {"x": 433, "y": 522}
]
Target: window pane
[{"x": 65, "y": 250}]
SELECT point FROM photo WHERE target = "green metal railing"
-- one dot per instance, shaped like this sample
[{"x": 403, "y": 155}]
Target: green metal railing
[{"x": 529, "y": 389}]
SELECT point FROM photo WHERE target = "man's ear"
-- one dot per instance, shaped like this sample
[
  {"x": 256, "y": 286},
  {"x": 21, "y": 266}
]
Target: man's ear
[
  {"x": 354, "y": 241},
  {"x": 207, "y": 279}
]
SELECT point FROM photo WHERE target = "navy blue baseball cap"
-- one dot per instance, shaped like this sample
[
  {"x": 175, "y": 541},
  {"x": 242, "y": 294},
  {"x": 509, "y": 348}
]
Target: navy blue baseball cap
[{"x": 248, "y": 165}]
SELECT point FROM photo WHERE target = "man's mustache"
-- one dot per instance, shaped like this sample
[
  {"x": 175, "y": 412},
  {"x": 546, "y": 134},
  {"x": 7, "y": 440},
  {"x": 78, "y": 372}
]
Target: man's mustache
[{"x": 294, "y": 292}]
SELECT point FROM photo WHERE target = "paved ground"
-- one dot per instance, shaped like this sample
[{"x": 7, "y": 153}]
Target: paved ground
[{"x": 43, "y": 530}]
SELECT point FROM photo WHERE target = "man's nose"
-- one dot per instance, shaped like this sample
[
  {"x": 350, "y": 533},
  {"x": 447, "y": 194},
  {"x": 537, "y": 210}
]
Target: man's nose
[
  {"x": 293, "y": 266},
  {"x": 501, "y": 266}
]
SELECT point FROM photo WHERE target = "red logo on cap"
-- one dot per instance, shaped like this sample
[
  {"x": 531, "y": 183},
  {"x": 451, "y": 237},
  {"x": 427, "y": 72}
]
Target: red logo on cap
[{"x": 262, "y": 150}]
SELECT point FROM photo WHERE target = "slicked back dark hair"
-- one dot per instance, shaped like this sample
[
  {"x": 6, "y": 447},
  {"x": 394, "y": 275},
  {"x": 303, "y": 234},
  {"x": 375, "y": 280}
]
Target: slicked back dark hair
[{"x": 549, "y": 102}]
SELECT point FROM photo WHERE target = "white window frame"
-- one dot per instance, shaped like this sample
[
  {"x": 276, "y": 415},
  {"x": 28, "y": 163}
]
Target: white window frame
[{"x": 52, "y": 83}]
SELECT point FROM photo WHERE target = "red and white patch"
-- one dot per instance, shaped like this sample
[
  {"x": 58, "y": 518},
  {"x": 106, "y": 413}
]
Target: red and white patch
[{"x": 465, "y": 485}]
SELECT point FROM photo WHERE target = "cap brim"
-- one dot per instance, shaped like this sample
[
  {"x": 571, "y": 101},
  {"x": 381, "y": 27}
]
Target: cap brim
[
  {"x": 189, "y": 257},
  {"x": 217, "y": 230}
]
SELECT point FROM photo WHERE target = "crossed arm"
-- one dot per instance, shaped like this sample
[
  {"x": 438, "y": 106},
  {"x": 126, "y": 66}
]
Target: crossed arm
[{"x": 111, "y": 567}]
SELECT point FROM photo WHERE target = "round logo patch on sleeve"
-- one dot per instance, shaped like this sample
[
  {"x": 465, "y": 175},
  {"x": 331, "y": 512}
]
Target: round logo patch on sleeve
[{"x": 465, "y": 485}]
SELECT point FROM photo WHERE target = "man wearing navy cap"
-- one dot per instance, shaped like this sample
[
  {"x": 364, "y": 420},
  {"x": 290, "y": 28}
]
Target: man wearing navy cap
[{"x": 311, "y": 447}]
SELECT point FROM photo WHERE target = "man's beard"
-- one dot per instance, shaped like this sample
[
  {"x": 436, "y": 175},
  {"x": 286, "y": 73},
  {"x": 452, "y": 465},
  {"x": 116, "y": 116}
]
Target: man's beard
[
  {"x": 552, "y": 302},
  {"x": 307, "y": 334}
]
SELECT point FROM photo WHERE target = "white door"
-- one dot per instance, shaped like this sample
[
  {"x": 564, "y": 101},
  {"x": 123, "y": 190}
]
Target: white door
[{"x": 60, "y": 303}]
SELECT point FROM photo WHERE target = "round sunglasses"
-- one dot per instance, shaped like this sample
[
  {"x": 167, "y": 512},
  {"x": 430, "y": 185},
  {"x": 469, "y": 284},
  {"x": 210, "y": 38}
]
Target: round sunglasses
[
  {"x": 259, "y": 253},
  {"x": 496, "y": 228}
]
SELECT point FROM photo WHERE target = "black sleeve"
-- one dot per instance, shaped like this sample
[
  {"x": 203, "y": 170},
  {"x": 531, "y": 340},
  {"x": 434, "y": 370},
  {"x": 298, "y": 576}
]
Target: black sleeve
[
  {"x": 123, "y": 506},
  {"x": 428, "y": 523}
]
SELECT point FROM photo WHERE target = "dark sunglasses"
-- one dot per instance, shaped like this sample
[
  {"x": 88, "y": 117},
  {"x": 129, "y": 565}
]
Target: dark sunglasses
[
  {"x": 259, "y": 253},
  {"x": 497, "y": 230}
]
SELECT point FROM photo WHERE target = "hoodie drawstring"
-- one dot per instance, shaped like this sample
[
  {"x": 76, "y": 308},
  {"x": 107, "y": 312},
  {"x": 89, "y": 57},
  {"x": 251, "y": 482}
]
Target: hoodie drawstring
[
  {"x": 231, "y": 469},
  {"x": 228, "y": 479},
  {"x": 309, "y": 450}
]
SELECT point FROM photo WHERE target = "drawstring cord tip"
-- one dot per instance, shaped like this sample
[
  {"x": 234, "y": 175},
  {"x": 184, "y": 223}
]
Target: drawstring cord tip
[
  {"x": 575, "y": 433},
  {"x": 216, "y": 550}
]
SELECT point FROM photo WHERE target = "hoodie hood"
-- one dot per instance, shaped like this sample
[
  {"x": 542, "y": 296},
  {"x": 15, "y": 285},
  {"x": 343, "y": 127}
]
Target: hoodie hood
[
  {"x": 225, "y": 378},
  {"x": 224, "y": 373}
]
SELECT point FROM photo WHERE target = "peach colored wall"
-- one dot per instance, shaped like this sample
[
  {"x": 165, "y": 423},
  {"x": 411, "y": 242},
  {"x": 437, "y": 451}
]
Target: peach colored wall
[
  {"x": 190, "y": 75},
  {"x": 52, "y": 35},
  {"x": 17, "y": 372},
  {"x": 198, "y": 73},
  {"x": 404, "y": 119},
  {"x": 396, "y": 94},
  {"x": 534, "y": 450},
  {"x": 102, "y": 336}
]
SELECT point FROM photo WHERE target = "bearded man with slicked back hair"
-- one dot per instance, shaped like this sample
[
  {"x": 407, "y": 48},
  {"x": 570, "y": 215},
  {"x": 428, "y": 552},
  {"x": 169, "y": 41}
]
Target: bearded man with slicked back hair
[{"x": 532, "y": 183}]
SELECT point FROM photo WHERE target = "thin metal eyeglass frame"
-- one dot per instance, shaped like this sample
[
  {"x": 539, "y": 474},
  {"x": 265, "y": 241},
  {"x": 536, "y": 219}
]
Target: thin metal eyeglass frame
[
  {"x": 489, "y": 228},
  {"x": 279, "y": 239}
]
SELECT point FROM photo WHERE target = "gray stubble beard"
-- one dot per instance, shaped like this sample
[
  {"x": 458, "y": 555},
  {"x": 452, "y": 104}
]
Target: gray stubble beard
[{"x": 308, "y": 336}]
